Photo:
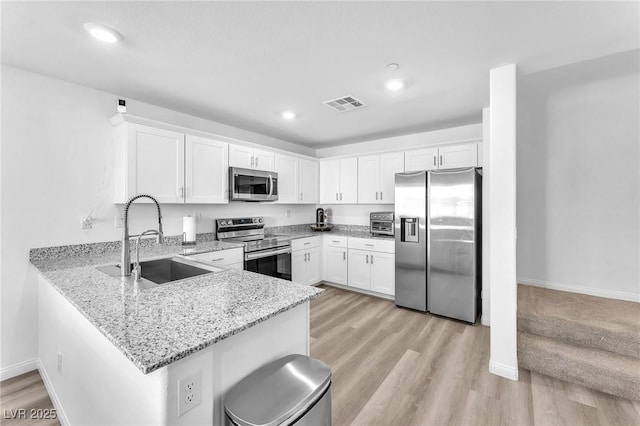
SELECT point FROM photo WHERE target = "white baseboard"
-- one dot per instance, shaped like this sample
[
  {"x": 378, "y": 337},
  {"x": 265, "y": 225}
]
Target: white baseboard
[
  {"x": 358, "y": 290},
  {"x": 52, "y": 394},
  {"x": 609, "y": 294},
  {"x": 484, "y": 320},
  {"x": 503, "y": 370},
  {"x": 18, "y": 369}
]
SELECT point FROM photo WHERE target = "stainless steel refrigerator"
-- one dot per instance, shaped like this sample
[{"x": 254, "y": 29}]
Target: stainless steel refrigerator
[{"x": 438, "y": 241}]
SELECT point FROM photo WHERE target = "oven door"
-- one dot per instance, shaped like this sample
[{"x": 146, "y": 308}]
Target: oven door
[
  {"x": 252, "y": 185},
  {"x": 275, "y": 263}
]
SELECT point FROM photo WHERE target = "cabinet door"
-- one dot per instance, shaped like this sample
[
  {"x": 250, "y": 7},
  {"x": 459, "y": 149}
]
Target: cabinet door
[
  {"x": 452, "y": 157},
  {"x": 349, "y": 180},
  {"x": 155, "y": 163},
  {"x": 206, "y": 170},
  {"x": 314, "y": 265},
  {"x": 298, "y": 266},
  {"x": 421, "y": 159},
  {"x": 369, "y": 179},
  {"x": 287, "y": 169},
  {"x": 390, "y": 164},
  {"x": 308, "y": 181},
  {"x": 240, "y": 156},
  {"x": 263, "y": 160},
  {"x": 383, "y": 272},
  {"x": 335, "y": 265},
  {"x": 359, "y": 271},
  {"x": 330, "y": 182}
]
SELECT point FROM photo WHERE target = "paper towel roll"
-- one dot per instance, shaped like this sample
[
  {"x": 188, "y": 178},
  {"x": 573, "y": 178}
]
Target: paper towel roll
[{"x": 189, "y": 229}]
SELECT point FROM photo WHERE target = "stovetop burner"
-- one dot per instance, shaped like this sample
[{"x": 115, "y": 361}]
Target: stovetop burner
[{"x": 250, "y": 232}]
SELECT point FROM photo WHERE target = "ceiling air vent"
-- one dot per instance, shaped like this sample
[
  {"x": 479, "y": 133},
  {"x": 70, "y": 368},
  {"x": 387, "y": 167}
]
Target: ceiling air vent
[{"x": 345, "y": 103}]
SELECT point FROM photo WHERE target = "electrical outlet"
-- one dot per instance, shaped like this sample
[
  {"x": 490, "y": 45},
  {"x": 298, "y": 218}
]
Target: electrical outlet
[
  {"x": 189, "y": 392},
  {"x": 287, "y": 213},
  {"x": 60, "y": 362},
  {"x": 118, "y": 222},
  {"x": 198, "y": 217},
  {"x": 86, "y": 222}
]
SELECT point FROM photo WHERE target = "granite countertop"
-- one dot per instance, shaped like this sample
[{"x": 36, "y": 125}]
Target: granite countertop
[
  {"x": 341, "y": 233},
  {"x": 155, "y": 327}
]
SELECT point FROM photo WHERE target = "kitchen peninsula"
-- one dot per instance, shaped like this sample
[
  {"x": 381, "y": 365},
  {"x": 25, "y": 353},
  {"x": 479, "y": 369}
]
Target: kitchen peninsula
[{"x": 112, "y": 355}]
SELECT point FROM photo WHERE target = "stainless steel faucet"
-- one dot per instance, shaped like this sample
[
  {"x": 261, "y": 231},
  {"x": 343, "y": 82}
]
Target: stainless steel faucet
[
  {"x": 125, "y": 257},
  {"x": 136, "y": 270}
]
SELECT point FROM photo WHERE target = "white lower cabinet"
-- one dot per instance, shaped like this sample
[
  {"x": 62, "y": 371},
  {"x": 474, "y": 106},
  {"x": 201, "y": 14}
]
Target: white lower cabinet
[
  {"x": 359, "y": 269},
  {"x": 372, "y": 265},
  {"x": 228, "y": 259},
  {"x": 334, "y": 259},
  {"x": 306, "y": 261}
]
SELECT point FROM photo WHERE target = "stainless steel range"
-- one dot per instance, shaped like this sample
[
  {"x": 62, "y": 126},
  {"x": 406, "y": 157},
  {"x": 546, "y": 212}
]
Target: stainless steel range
[{"x": 267, "y": 255}]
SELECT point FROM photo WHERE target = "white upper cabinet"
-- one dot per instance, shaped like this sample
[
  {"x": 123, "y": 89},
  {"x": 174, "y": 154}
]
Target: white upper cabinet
[
  {"x": 171, "y": 166},
  {"x": 297, "y": 180},
  {"x": 480, "y": 155},
  {"x": 421, "y": 159},
  {"x": 445, "y": 157},
  {"x": 250, "y": 158},
  {"x": 308, "y": 181},
  {"x": 151, "y": 161},
  {"x": 376, "y": 177},
  {"x": 452, "y": 157},
  {"x": 287, "y": 169},
  {"x": 206, "y": 171},
  {"x": 339, "y": 181},
  {"x": 369, "y": 179}
]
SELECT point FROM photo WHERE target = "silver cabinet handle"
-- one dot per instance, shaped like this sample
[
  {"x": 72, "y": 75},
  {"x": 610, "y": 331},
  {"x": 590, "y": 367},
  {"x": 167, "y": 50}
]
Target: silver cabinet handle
[
  {"x": 376, "y": 195},
  {"x": 306, "y": 244},
  {"x": 334, "y": 241},
  {"x": 336, "y": 196},
  {"x": 369, "y": 245},
  {"x": 301, "y": 196},
  {"x": 257, "y": 158},
  {"x": 218, "y": 259},
  {"x": 367, "y": 261},
  {"x": 182, "y": 192},
  {"x": 309, "y": 257},
  {"x": 434, "y": 160},
  {"x": 381, "y": 195},
  {"x": 341, "y": 196},
  {"x": 441, "y": 160},
  {"x": 252, "y": 161},
  {"x": 344, "y": 255},
  {"x": 372, "y": 259}
]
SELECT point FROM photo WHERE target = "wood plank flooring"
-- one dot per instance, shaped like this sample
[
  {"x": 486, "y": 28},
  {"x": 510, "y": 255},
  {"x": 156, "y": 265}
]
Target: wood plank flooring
[
  {"x": 24, "y": 401},
  {"x": 394, "y": 366}
]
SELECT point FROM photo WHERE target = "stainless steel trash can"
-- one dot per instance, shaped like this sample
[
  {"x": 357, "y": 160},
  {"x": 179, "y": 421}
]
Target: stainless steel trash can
[{"x": 295, "y": 389}]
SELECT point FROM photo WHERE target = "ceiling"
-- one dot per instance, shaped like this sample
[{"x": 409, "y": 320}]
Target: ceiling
[{"x": 243, "y": 63}]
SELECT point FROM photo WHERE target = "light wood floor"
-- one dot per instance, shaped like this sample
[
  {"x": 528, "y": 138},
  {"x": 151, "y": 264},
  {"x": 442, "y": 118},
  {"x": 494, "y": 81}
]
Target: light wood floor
[
  {"x": 394, "y": 366},
  {"x": 26, "y": 392}
]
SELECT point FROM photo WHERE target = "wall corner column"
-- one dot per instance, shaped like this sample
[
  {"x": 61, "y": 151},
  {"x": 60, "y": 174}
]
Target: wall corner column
[{"x": 502, "y": 222}]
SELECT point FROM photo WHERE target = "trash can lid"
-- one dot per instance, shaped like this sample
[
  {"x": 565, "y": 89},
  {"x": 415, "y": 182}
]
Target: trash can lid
[{"x": 277, "y": 391}]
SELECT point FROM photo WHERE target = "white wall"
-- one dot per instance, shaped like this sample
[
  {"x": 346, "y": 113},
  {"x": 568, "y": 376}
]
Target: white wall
[
  {"x": 578, "y": 159},
  {"x": 501, "y": 156},
  {"x": 57, "y": 165},
  {"x": 471, "y": 132}
]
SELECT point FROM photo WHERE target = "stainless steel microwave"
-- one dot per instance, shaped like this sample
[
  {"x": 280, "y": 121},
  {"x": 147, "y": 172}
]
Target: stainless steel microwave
[{"x": 252, "y": 185}]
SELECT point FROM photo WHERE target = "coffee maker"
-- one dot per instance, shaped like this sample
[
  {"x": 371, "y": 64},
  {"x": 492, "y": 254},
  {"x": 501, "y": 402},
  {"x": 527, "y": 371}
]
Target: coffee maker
[{"x": 321, "y": 218}]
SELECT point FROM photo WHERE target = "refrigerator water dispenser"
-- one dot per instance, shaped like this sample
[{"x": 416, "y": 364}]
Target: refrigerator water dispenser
[{"x": 409, "y": 229}]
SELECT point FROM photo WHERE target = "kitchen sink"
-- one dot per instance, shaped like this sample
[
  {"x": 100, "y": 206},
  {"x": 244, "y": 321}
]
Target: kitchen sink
[{"x": 163, "y": 271}]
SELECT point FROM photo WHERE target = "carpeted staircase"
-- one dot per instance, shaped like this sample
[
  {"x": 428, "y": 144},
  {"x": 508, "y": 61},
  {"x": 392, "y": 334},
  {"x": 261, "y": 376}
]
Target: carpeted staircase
[{"x": 587, "y": 340}]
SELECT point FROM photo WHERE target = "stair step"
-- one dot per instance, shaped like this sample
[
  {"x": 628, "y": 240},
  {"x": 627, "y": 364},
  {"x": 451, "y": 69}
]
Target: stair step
[
  {"x": 579, "y": 319},
  {"x": 601, "y": 370}
]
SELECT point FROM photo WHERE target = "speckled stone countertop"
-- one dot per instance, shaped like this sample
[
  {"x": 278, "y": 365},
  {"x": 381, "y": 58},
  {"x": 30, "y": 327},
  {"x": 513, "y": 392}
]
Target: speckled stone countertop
[{"x": 155, "y": 327}]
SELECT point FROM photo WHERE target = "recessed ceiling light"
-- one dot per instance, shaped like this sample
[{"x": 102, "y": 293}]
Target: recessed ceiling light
[
  {"x": 394, "y": 84},
  {"x": 288, "y": 115},
  {"x": 102, "y": 33},
  {"x": 393, "y": 66}
]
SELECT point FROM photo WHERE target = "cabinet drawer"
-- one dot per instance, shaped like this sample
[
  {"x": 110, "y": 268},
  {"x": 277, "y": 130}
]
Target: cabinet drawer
[
  {"x": 335, "y": 241},
  {"x": 220, "y": 257},
  {"x": 385, "y": 246},
  {"x": 305, "y": 243}
]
